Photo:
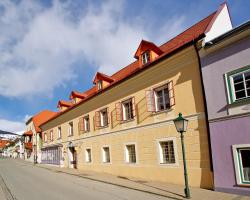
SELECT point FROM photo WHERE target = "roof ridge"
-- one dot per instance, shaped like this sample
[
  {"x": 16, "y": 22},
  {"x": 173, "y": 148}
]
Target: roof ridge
[{"x": 188, "y": 28}]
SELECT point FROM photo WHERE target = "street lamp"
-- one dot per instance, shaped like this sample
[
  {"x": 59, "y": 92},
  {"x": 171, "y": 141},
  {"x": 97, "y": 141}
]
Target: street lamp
[{"x": 181, "y": 127}]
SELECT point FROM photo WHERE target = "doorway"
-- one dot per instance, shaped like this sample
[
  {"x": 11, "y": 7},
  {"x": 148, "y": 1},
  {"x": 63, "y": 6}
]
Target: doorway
[{"x": 73, "y": 157}]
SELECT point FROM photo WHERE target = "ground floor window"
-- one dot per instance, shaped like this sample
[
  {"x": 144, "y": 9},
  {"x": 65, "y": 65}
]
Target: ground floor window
[
  {"x": 52, "y": 155},
  {"x": 88, "y": 158},
  {"x": 130, "y": 153},
  {"x": 167, "y": 151},
  {"x": 106, "y": 154},
  {"x": 242, "y": 163}
]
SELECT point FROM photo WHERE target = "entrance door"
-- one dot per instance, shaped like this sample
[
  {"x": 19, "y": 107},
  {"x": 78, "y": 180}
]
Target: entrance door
[{"x": 74, "y": 158}]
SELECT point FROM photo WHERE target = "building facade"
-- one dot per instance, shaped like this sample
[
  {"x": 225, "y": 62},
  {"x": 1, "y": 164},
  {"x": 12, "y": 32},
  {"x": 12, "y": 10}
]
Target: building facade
[
  {"x": 124, "y": 124},
  {"x": 33, "y": 138},
  {"x": 226, "y": 73}
]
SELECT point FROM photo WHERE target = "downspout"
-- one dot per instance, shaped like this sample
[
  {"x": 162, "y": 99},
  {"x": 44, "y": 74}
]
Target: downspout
[{"x": 205, "y": 106}]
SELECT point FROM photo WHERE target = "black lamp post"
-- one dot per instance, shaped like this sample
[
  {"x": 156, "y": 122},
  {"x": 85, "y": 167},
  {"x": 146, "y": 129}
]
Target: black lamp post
[{"x": 181, "y": 127}]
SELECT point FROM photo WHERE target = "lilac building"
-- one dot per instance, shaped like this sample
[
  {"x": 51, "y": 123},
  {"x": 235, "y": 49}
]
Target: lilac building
[{"x": 225, "y": 63}]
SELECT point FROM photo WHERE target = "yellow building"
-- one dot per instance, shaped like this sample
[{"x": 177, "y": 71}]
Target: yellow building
[{"x": 124, "y": 124}]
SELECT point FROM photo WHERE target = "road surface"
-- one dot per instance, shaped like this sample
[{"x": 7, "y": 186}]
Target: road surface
[{"x": 23, "y": 181}]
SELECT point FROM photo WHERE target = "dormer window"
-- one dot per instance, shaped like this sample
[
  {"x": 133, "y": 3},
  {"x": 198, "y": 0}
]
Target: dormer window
[
  {"x": 145, "y": 57},
  {"x": 99, "y": 85}
]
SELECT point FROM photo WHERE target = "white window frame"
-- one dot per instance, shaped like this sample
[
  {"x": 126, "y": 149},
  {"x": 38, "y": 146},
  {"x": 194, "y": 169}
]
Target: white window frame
[
  {"x": 144, "y": 58},
  {"x": 86, "y": 128},
  {"x": 51, "y": 135},
  {"x": 124, "y": 116},
  {"x": 87, "y": 158},
  {"x": 104, "y": 159},
  {"x": 102, "y": 117},
  {"x": 164, "y": 100},
  {"x": 45, "y": 137},
  {"x": 237, "y": 162},
  {"x": 71, "y": 129},
  {"x": 99, "y": 85},
  {"x": 230, "y": 85},
  {"x": 126, "y": 153},
  {"x": 59, "y": 132},
  {"x": 160, "y": 153}
]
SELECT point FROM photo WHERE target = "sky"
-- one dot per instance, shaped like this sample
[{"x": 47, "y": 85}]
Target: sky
[{"x": 50, "y": 47}]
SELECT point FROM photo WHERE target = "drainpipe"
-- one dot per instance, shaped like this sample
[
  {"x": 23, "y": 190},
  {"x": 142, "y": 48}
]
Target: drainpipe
[{"x": 205, "y": 106}]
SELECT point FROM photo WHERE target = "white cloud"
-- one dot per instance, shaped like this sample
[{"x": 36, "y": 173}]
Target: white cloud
[
  {"x": 38, "y": 45},
  {"x": 12, "y": 126}
]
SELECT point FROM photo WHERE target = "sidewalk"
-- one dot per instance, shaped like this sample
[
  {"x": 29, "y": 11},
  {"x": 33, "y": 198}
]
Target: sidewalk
[{"x": 157, "y": 188}]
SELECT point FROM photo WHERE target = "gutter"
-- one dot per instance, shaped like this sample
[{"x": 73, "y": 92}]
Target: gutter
[{"x": 206, "y": 110}]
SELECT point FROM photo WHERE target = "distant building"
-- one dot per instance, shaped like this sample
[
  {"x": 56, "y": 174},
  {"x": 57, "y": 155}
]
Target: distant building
[
  {"x": 32, "y": 135},
  {"x": 225, "y": 63}
]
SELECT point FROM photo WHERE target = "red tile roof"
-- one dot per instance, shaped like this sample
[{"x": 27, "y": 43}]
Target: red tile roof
[
  {"x": 64, "y": 103},
  {"x": 101, "y": 76},
  {"x": 3, "y": 143},
  {"x": 145, "y": 45},
  {"x": 42, "y": 117},
  {"x": 74, "y": 94},
  {"x": 28, "y": 133},
  {"x": 197, "y": 31}
]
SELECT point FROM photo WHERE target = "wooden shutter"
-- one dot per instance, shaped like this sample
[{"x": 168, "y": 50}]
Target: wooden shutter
[
  {"x": 97, "y": 119},
  {"x": 118, "y": 109},
  {"x": 81, "y": 125},
  {"x": 133, "y": 106},
  {"x": 108, "y": 115},
  {"x": 171, "y": 93},
  {"x": 150, "y": 101}
]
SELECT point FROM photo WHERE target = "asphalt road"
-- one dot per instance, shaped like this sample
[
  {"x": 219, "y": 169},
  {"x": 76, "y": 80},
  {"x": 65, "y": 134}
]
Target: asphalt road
[{"x": 22, "y": 181}]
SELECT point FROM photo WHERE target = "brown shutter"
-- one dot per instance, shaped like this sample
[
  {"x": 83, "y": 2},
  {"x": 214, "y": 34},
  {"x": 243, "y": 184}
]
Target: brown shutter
[
  {"x": 171, "y": 93},
  {"x": 118, "y": 109},
  {"x": 81, "y": 126},
  {"x": 133, "y": 106},
  {"x": 108, "y": 115},
  {"x": 97, "y": 119},
  {"x": 150, "y": 101}
]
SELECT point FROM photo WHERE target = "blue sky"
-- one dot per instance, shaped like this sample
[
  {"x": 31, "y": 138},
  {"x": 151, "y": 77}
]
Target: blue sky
[{"x": 50, "y": 47}]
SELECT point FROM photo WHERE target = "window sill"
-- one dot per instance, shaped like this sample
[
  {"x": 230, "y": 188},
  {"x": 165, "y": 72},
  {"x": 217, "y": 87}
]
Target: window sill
[
  {"x": 102, "y": 127},
  {"x": 239, "y": 102},
  {"x": 244, "y": 185},
  {"x": 161, "y": 111},
  {"x": 126, "y": 121}
]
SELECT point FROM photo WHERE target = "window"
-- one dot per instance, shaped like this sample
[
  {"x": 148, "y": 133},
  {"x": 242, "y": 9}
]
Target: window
[
  {"x": 59, "y": 132},
  {"x": 101, "y": 118},
  {"x": 145, "y": 57},
  {"x": 161, "y": 98},
  {"x": 70, "y": 133},
  {"x": 86, "y": 123},
  {"x": 99, "y": 85},
  {"x": 51, "y": 135},
  {"x": 128, "y": 110},
  {"x": 125, "y": 110},
  {"x": 239, "y": 84},
  {"x": 45, "y": 137},
  {"x": 167, "y": 154},
  {"x": 130, "y": 153},
  {"x": 88, "y": 155},
  {"x": 106, "y": 154},
  {"x": 104, "y": 117},
  {"x": 242, "y": 163}
]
